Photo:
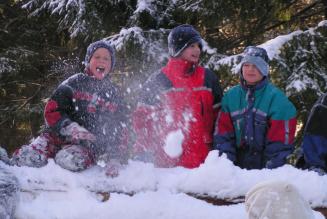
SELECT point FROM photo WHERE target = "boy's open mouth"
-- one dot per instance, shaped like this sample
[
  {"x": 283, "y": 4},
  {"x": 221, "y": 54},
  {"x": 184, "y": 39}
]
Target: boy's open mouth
[{"x": 100, "y": 69}]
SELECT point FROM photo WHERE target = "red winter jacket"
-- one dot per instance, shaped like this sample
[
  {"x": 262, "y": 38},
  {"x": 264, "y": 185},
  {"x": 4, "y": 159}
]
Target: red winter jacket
[{"x": 182, "y": 97}]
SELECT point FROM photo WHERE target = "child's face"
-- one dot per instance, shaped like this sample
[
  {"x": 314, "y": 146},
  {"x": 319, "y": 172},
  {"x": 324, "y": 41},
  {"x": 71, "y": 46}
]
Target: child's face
[
  {"x": 251, "y": 74},
  {"x": 191, "y": 53},
  {"x": 100, "y": 63}
]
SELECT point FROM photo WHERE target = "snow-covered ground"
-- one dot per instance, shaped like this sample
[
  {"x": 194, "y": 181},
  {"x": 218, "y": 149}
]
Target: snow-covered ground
[{"x": 52, "y": 192}]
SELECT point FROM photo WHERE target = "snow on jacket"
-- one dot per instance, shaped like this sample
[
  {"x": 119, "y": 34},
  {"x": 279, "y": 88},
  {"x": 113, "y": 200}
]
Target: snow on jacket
[
  {"x": 315, "y": 135},
  {"x": 256, "y": 126},
  {"x": 177, "y": 108},
  {"x": 94, "y": 104}
]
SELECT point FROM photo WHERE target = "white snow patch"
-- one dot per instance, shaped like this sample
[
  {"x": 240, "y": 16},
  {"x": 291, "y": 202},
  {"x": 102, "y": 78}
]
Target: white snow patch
[
  {"x": 297, "y": 84},
  {"x": 144, "y": 5},
  {"x": 173, "y": 144},
  {"x": 322, "y": 23},
  {"x": 169, "y": 118},
  {"x": 53, "y": 192},
  {"x": 273, "y": 46}
]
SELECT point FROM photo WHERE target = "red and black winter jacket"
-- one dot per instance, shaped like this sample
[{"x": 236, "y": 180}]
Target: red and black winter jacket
[
  {"x": 94, "y": 104},
  {"x": 179, "y": 97}
]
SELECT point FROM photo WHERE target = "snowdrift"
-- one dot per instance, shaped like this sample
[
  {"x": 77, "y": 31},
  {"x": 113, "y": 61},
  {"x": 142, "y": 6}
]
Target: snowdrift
[{"x": 143, "y": 191}]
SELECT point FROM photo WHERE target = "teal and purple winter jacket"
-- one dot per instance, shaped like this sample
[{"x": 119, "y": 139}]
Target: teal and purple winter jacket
[{"x": 256, "y": 126}]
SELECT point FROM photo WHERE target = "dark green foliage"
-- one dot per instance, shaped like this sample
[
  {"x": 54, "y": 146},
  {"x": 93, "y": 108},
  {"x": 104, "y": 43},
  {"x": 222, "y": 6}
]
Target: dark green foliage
[
  {"x": 29, "y": 47},
  {"x": 44, "y": 43}
]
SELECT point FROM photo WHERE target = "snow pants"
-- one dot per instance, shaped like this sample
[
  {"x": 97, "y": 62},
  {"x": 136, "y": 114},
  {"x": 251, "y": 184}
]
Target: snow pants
[
  {"x": 69, "y": 156},
  {"x": 8, "y": 194}
]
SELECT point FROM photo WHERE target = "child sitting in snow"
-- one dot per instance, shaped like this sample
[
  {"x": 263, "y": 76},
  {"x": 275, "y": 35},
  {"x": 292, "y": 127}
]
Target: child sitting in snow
[
  {"x": 175, "y": 116},
  {"x": 84, "y": 118},
  {"x": 256, "y": 125}
]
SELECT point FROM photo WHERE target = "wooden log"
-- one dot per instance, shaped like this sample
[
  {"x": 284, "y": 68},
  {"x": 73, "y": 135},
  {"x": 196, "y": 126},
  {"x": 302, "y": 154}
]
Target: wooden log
[
  {"x": 220, "y": 202},
  {"x": 105, "y": 196}
]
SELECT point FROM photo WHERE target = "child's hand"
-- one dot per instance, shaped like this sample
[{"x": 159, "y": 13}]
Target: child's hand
[
  {"x": 112, "y": 168},
  {"x": 77, "y": 132}
]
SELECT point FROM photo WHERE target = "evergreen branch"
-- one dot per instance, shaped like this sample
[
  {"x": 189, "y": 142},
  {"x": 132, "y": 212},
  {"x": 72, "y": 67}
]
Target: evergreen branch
[{"x": 23, "y": 105}]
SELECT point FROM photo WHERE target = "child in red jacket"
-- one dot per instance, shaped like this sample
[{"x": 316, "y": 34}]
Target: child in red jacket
[
  {"x": 84, "y": 118},
  {"x": 178, "y": 106}
]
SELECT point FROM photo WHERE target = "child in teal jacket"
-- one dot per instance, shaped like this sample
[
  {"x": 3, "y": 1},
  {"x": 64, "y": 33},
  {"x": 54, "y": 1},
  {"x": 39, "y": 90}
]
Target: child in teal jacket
[{"x": 256, "y": 125}]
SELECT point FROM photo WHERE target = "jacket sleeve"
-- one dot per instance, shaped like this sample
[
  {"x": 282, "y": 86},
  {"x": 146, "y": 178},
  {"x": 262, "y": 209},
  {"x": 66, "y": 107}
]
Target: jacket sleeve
[
  {"x": 58, "y": 107},
  {"x": 315, "y": 135},
  {"x": 224, "y": 136},
  {"x": 315, "y": 151},
  {"x": 280, "y": 133},
  {"x": 212, "y": 81}
]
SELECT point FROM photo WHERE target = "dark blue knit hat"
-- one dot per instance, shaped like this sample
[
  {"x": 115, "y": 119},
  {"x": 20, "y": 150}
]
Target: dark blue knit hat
[
  {"x": 96, "y": 45},
  {"x": 181, "y": 37},
  {"x": 258, "y": 57}
]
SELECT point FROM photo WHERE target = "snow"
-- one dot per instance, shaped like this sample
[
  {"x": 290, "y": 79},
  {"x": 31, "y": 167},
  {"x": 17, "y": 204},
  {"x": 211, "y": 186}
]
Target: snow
[
  {"x": 297, "y": 84},
  {"x": 322, "y": 23},
  {"x": 273, "y": 46},
  {"x": 144, "y": 5},
  {"x": 5, "y": 66},
  {"x": 150, "y": 43},
  {"x": 207, "y": 49},
  {"x": 173, "y": 144},
  {"x": 53, "y": 192}
]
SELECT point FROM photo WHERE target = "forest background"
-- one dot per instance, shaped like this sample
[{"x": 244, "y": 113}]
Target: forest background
[{"x": 42, "y": 42}]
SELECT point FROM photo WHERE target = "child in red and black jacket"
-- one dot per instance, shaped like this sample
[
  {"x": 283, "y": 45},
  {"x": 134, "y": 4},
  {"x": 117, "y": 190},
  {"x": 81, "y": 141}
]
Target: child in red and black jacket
[
  {"x": 178, "y": 105},
  {"x": 84, "y": 117}
]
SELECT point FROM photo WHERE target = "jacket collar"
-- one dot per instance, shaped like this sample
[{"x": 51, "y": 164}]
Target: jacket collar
[
  {"x": 179, "y": 67},
  {"x": 256, "y": 87}
]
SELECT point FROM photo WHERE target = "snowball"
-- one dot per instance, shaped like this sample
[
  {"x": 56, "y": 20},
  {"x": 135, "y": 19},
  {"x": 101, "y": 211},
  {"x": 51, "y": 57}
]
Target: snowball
[{"x": 173, "y": 144}]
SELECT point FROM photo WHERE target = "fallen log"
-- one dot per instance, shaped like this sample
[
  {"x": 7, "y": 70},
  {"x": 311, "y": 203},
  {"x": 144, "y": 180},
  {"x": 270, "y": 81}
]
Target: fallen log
[
  {"x": 105, "y": 196},
  {"x": 220, "y": 202}
]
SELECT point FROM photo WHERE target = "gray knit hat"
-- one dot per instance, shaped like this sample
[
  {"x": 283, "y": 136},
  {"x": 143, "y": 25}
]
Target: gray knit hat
[
  {"x": 96, "y": 45},
  {"x": 258, "y": 57}
]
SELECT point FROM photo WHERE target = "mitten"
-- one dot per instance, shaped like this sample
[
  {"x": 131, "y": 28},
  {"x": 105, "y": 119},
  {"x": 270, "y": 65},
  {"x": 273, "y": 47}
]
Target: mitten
[
  {"x": 113, "y": 167},
  {"x": 75, "y": 133}
]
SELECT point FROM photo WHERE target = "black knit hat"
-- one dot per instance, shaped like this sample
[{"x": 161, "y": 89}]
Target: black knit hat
[
  {"x": 96, "y": 45},
  {"x": 181, "y": 37}
]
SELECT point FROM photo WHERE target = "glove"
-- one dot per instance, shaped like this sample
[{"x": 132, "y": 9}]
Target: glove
[
  {"x": 75, "y": 133},
  {"x": 113, "y": 168}
]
